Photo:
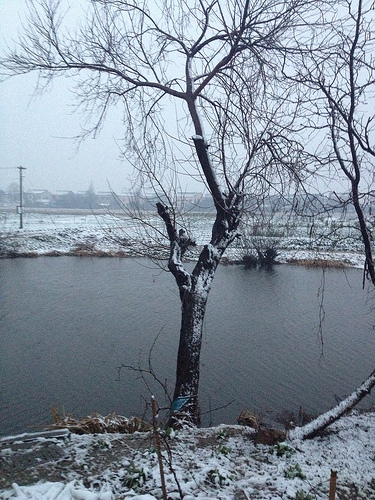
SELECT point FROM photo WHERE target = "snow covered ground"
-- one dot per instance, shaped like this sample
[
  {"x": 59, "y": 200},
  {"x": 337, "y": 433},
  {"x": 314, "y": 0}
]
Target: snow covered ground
[
  {"x": 216, "y": 463},
  {"x": 51, "y": 233}
]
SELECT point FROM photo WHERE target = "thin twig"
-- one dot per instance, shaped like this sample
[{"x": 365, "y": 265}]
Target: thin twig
[{"x": 158, "y": 446}]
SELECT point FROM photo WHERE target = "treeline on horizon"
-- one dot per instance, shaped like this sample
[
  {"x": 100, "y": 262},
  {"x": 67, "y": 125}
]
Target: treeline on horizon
[{"x": 304, "y": 204}]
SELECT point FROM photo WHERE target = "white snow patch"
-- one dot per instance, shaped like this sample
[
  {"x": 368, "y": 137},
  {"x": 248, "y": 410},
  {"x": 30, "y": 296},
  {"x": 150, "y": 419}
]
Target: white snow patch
[{"x": 56, "y": 491}]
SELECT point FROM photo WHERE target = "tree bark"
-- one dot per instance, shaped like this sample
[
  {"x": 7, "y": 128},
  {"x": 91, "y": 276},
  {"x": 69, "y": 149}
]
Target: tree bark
[{"x": 186, "y": 406}]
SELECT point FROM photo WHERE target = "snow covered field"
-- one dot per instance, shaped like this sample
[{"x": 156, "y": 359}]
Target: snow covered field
[
  {"x": 51, "y": 233},
  {"x": 217, "y": 463}
]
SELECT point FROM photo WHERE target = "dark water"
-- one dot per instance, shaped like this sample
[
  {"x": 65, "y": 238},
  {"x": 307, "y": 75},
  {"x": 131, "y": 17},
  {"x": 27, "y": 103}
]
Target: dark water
[{"x": 67, "y": 324}]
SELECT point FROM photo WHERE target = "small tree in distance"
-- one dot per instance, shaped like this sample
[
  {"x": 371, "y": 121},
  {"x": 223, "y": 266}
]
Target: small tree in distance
[{"x": 202, "y": 94}]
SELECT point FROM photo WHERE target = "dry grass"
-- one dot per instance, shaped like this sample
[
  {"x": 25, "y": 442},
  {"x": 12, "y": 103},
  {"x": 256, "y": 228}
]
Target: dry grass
[
  {"x": 319, "y": 263},
  {"x": 99, "y": 424},
  {"x": 12, "y": 254},
  {"x": 85, "y": 251}
]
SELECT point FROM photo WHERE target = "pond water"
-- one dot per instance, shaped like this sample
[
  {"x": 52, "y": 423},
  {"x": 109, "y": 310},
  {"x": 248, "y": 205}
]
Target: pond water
[{"x": 68, "y": 323}]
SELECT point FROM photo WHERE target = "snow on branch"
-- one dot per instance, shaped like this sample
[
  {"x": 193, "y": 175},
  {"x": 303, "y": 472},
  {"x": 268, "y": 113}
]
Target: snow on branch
[
  {"x": 179, "y": 243},
  {"x": 163, "y": 211},
  {"x": 320, "y": 423}
]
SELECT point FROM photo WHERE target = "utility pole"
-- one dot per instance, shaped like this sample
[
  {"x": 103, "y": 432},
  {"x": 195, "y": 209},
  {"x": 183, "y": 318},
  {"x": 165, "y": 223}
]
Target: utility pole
[{"x": 20, "y": 208}]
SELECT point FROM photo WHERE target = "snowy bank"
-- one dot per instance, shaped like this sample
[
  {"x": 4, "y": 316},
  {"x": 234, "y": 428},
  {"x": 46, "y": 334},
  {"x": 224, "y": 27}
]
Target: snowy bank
[
  {"x": 110, "y": 235},
  {"x": 213, "y": 463}
]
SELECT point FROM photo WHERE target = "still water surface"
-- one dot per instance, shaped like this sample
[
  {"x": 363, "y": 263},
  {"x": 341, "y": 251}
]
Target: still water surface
[{"x": 67, "y": 324}]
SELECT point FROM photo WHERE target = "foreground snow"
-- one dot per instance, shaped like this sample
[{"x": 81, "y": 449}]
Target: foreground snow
[{"x": 217, "y": 463}]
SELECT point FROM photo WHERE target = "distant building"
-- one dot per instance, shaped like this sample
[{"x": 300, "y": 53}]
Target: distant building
[{"x": 38, "y": 198}]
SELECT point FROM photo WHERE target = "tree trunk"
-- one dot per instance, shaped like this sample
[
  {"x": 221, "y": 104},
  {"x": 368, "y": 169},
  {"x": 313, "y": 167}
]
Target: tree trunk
[
  {"x": 369, "y": 270},
  {"x": 186, "y": 406},
  {"x": 194, "y": 289}
]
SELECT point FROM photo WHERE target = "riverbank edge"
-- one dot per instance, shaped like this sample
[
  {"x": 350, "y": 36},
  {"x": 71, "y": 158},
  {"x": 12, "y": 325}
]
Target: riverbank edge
[
  {"x": 96, "y": 460},
  {"x": 313, "y": 259}
]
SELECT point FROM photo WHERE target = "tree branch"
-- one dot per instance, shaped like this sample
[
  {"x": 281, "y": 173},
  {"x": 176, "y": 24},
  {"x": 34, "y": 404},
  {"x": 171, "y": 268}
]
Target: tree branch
[
  {"x": 317, "y": 425},
  {"x": 179, "y": 243}
]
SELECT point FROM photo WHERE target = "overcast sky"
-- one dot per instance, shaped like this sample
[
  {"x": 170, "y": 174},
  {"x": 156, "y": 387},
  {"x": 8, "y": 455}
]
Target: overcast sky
[{"x": 35, "y": 132}]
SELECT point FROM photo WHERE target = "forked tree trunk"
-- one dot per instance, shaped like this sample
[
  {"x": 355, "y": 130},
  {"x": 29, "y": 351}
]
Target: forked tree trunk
[
  {"x": 194, "y": 287},
  {"x": 185, "y": 407}
]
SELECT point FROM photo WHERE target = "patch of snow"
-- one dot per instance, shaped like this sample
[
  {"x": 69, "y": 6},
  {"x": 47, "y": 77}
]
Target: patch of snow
[{"x": 56, "y": 491}]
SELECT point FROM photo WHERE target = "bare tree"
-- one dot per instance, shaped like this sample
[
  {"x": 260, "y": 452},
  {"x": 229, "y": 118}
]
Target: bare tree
[
  {"x": 341, "y": 76},
  {"x": 203, "y": 95}
]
